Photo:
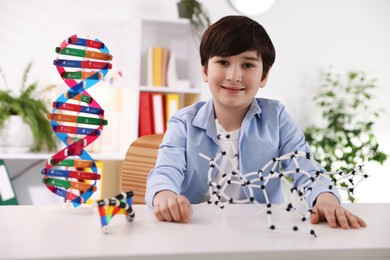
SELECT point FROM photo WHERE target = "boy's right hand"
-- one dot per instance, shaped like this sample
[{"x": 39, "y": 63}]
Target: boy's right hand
[{"x": 169, "y": 206}]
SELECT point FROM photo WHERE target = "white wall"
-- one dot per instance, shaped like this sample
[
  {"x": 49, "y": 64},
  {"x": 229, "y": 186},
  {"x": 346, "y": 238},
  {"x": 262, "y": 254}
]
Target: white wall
[{"x": 308, "y": 35}]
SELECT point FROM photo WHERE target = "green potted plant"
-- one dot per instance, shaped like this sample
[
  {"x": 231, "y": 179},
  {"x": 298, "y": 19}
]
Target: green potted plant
[
  {"x": 196, "y": 13},
  {"x": 346, "y": 138},
  {"x": 31, "y": 108}
]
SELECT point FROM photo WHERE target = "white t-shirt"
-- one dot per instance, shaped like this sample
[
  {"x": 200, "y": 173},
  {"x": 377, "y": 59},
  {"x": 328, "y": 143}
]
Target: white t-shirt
[{"x": 229, "y": 161}]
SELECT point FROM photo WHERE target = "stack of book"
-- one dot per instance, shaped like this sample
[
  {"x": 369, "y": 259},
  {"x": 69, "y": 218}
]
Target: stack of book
[
  {"x": 155, "y": 109},
  {"x": 158, "y": 66}
]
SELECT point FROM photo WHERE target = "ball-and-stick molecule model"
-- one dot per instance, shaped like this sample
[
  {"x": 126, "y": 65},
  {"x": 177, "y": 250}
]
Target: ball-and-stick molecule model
[
  {"x": 120, "y": 204},
  {"x": 273, "y": 170},
  {"x": 77, "y": 119}
]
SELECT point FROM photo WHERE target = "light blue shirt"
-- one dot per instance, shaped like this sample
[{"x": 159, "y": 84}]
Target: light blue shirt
[{"x": 267, "y": 131}]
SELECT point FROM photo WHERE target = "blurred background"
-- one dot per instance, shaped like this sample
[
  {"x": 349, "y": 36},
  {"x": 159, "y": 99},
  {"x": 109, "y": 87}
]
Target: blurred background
[{"x": 309, "y": 36}]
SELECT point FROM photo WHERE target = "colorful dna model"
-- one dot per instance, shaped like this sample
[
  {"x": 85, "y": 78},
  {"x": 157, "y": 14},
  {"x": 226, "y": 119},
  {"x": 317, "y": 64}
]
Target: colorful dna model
[
  {"x": 77, "y": 119},
  {"x": 120, "y": 204}
]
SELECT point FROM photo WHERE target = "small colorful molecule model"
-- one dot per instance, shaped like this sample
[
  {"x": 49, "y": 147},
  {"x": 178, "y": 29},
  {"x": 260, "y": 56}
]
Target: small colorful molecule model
[
  {"x": 120, "y": 204},
  {"x": 77, "y": 119}
]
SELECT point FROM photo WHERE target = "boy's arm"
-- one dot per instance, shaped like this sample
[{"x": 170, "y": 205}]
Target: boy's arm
[
  {"x": 293, "y": 139},
  {"x": 326, "y": 202},
  {"x": 168, "y": 174},
  {"x": 171, "y": 207},
  {"x": 328, "y": 208}
]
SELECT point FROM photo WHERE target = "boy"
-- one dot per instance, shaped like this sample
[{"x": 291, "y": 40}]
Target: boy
[{"x": 236, "y": 56}]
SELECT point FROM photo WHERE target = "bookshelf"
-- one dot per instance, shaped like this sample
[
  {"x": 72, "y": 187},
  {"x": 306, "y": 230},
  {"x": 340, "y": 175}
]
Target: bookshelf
[
  {"x": 139, "y": 35},
  {"x": 176, "y": 35}
]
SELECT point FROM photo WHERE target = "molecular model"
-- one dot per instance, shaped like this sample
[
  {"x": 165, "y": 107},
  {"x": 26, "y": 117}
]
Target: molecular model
[
  {"x": 296, "y": 200},
  {"x": 120, "y": 204},
  {"x": 77, "y": 119}
]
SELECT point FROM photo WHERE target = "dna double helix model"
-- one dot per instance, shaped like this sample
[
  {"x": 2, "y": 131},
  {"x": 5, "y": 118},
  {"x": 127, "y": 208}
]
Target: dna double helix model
[{"x": 77, "y": 119}]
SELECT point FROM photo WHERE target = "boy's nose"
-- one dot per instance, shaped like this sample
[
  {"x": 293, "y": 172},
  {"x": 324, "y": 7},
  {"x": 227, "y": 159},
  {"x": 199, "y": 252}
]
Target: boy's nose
[{"x": 234, "y": 74}]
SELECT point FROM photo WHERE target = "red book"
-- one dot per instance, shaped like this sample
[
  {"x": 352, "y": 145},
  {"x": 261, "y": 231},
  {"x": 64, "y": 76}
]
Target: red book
[
  {"x": 158, "y": 104},
  {"x": 145, "y": 120}
]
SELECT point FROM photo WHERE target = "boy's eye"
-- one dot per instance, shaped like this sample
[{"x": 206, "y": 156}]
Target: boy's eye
[
  {"x": 248, "y": 65},
  {"x": 223, "y": 62}
]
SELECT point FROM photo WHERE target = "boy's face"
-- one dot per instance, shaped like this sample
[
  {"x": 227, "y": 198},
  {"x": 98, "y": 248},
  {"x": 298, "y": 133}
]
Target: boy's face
[{"x": 234, "y": 80}]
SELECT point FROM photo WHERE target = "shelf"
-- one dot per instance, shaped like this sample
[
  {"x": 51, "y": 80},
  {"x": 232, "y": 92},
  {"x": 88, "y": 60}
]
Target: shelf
[
  {"x": 167, "y": 21},
  {"x": 45, "y": 156},
  {"x": 170, "y": 90},
  {"x": 138, "y": 37},
  {"x": 174, "y": 34}
]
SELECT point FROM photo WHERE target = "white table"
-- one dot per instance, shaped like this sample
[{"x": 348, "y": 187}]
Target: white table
[{"x": 45, "y": 232}]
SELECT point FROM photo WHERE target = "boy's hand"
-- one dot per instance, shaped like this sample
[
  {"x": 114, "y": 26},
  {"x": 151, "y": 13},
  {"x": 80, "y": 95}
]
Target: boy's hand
[
  {"x": 169, "y": 206},
  {"x": 329, "y": 209}
]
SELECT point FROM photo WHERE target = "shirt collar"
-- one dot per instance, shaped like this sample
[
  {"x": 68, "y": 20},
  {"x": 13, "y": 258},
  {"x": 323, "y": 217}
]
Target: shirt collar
[
  {"x": 254, "y": 110},
  {"x": 205, "y": 118}
]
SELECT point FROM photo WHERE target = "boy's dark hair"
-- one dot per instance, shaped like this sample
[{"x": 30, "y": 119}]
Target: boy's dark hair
[{"x": 233, "y": 35}]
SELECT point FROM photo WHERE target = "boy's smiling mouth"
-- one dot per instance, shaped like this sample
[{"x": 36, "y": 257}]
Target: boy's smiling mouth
[{"x": 233, "y": 89}]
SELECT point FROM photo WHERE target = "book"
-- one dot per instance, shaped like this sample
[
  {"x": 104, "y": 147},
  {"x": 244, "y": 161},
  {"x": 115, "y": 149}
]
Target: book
[
  {"x": 157, "y": 66},
  {"x": 158, "y": 105},
  {"x": 172, "y": 104},
  {"x": 145, "y": 120},
  {"x": 7, "y": 193},
  {"x": 158, "y": 59},
  {"x": 149, "y": 71},
  {"x": 165, "y": 63},
  {"x": 172, "y": 76}
]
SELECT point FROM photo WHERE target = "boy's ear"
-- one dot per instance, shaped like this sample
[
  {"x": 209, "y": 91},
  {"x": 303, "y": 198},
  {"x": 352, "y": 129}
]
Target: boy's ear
[
  {"x": 204, "y": 74},
  {"x": 264, "y": 81}
]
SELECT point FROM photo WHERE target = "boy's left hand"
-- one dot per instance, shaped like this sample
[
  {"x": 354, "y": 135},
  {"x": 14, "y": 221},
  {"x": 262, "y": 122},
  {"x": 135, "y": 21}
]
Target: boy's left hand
[{"x": 328, "y": 208}]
